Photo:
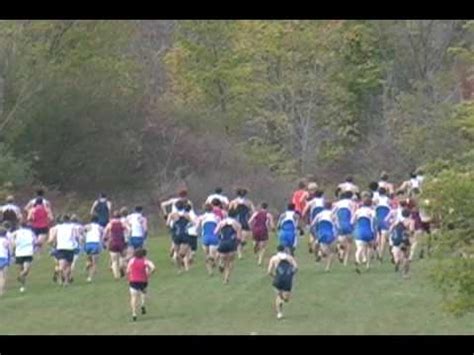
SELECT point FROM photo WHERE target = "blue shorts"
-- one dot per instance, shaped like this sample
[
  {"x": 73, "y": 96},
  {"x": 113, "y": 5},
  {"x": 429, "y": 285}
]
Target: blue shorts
[
  {"x": 4, "y": 262},
  {"x": 136, "y": 242},
  {"x": 288, "y": 241},
  {"x": 92, "y": 248},
  {"x": 210, "y": 240}
]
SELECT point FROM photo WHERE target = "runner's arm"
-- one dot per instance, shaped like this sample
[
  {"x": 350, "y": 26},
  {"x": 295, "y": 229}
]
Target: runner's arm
[
  {"x": 271, "y": 222},
  {"x": 150, "y": 267},
  {"x": 93, "y": 207},
  {"x": 252, "y": 218},
  {"x": 271, "y": 266}
]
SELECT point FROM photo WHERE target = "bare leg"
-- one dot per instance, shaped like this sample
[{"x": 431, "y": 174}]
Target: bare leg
[
  {"x": 414, "y": 243},
  {"x": 348, "y": 250},
  {"x": 134, "y": 302},
  {"x": 279, "y": 305},
  {"x": 3, "y": 280},
  {"x": 261, "y": 251},
  {"x": 115, "y": 257}
]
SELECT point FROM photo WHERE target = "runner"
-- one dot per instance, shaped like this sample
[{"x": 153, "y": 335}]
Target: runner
[
  {"x": 344, "y": 209},
  {"x": 179, "y": 222},
  {"x": 169, "y": 205},
  {"x": 348, "y": 185},
  {"x": 282, "y": 267},
  {"x": 364, "y": 233},
  {"x": 385, "y": 184},
  {"x": 5, "y": 256},
  {"x": 139, "y": 269},
  {"x": 326, "y": 234},
  {"x": 40, "y": 217},
  {"x": 299, "y": 200},
  {"x": 243, "y": 208},
  {"x": 374, "y": 190},
  {"x": 408, "y": 185},
  {"x": 65, "y": 242},
  {"x": 314, "y": 205},
  {"x": 298, "y": 197},
  {"x": 79, "y": 237},
  {"x": 207, "y": 224},
  {"x": 23, "y": 248},
  {"x": 115, "y": 233},
  {"x": 287, "y": 229},
  {"x": 93, "y": 239},
  {"x": 261, "y": 222},
  {"x": 400, "y": 231},
  {"x": 230, "y": 232},
  {"x": 219, "y": 196},
  {"x": 102, "y": 208},
  {"x": 192, "y": 234},
  {"x": 32, "y": 202},
  {"x": 382, "y": 215},
  {"x": 218, "y": 209},
  {"x": 11, "y": 213},
  {"x": 138, "y": 229},
  {"x": 53, "y": 252}
]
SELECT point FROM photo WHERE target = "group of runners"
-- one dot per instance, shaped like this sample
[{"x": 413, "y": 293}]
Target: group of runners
[{"x": 376, "y": 220}]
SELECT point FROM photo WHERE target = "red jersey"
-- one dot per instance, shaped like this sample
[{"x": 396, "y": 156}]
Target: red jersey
[
  {"x": 298, "y": 201},
  {"x": 138, "y": 270},
  {"x": 40, "y": 217}
]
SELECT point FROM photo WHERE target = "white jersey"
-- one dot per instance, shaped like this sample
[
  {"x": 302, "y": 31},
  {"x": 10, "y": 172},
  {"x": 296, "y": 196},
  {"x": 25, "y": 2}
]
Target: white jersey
[
  {"x": 315, "y": 203},
  {"x": 414, "y": 183},
  {"x": 288, "y": 216},
  {"x": 24, "y": 239},
  {"x": 66, "y": 237},
  {"x": 137, "y": 224},
  {"x": 344, "y": 203},
  {"x": 224, "y": 200},
  {"x": 4, "y": 248},
  {"x": 94, "y": 233},
  {"x": 348, "y": 186},
  {"x": 325, "y": 215},
  {"x": 365, "y": 211},
  {"x": 375, "y": 195},
  {"x": 12, "y": 207},
  {"x": 192, "y": 227},
  {"x": 382, "y": 200}
]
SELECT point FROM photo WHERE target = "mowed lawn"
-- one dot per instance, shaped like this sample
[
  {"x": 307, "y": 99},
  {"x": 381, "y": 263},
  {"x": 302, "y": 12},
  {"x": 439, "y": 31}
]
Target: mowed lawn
[{"x": 341, "y": 302}]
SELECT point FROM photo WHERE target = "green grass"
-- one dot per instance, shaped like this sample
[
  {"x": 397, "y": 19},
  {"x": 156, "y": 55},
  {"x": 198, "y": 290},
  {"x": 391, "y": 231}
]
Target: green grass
[{"x": 341, "y": 302}]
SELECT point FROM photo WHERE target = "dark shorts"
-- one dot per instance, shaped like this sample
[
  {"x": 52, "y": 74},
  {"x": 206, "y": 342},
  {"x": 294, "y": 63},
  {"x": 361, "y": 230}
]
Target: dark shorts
[
  {"x": 425, "y": 227},
  {"x": 193, "y": 242},
  {"x": 117, "y": 247},
  {"x": 39, "y": 231},
  {"x": 260, "y": 236},
  {"x": 181, "y": 239},
  {"x": 139, "y": 286},
  {"x": 20, "y": 260},
  {"x": 283, "y": 284},
  {"x": 245, "y": 226},
  {"x": 227, "y": 246},
  {"x": 67, "y": 255}
]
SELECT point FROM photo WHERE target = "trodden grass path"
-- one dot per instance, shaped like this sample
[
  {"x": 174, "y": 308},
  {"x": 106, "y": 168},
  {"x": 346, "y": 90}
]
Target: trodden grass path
[{"x": 341, "y": 302}]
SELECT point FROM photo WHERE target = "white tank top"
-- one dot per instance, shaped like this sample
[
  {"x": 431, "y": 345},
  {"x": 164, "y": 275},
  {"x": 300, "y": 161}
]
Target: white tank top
[
  {"x": 135, "y": 220},
  {"x": 325, "y": 215},
  {"x": 65, "y": 237},
  {"x": 414, "y": 183},
  {"x": 345, "y": 203},
  {"x": 209, "y": 217},
  {"x": 24, "y": 242},
  {"x": 4, "y": 252},
  {"x": 93, "y": 233},
  {"x": 383, "y": 201},
  {"x": 364, "y": 211},
  {"x": 316, "y": 202},
  {"x": 192, "y": 228}
]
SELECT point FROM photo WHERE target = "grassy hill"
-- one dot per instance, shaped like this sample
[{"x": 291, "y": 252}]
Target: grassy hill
[{"x": 341, "y": 302}]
